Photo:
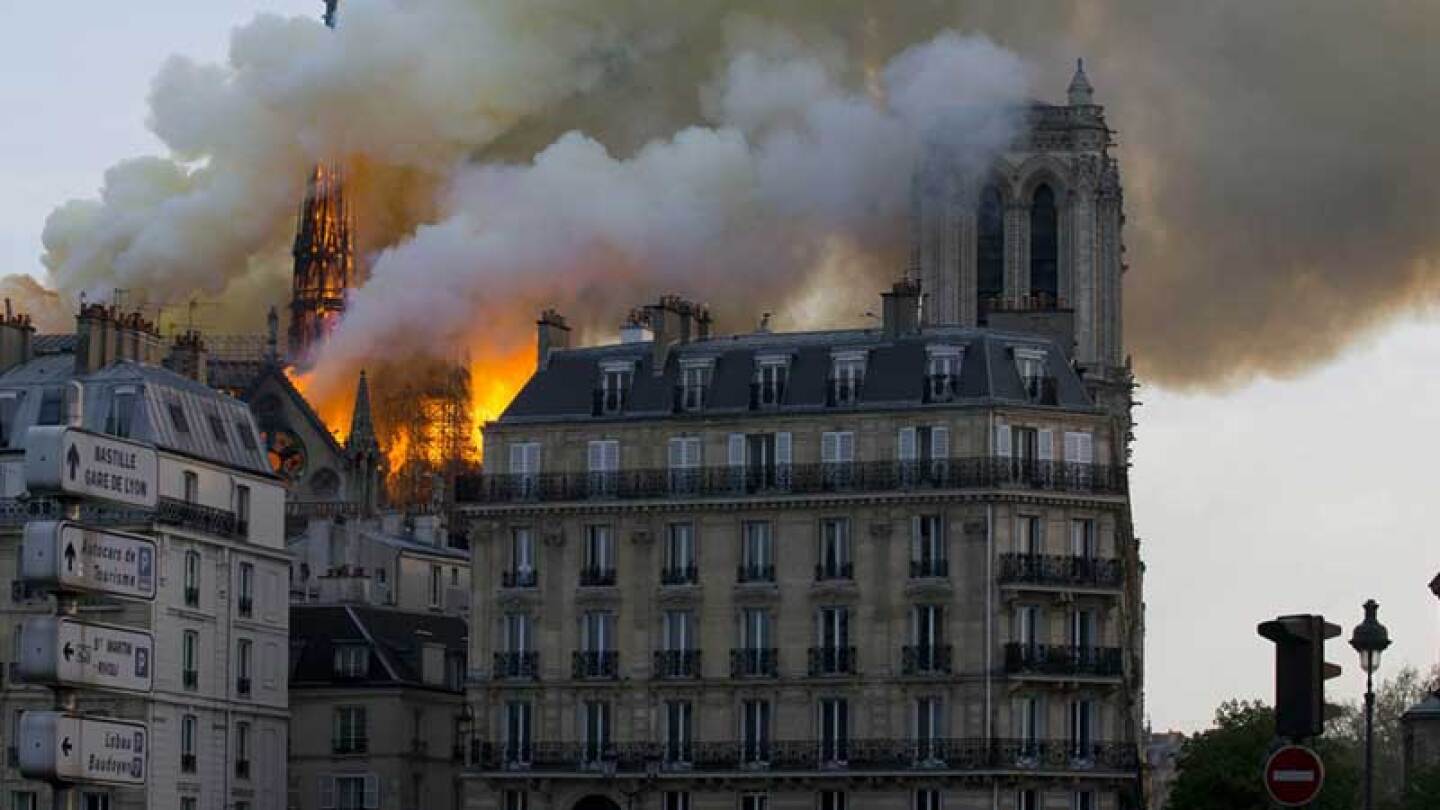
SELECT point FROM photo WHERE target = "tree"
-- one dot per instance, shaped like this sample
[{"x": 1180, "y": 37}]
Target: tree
[{"x": 1221, "y": 768}]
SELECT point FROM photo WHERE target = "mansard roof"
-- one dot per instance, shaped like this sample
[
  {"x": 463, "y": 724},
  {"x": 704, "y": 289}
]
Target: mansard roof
[
  {"x": 395, "y": 639},
  {"x": 895, "y": 375}
]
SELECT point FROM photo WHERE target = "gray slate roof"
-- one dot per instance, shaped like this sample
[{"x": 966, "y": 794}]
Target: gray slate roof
[
  {"x": 395, "y": 639},
  {"x": 894, "y": 377}
]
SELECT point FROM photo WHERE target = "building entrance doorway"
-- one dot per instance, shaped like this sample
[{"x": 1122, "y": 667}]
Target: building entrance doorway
[{"x": 596, "y": 803}]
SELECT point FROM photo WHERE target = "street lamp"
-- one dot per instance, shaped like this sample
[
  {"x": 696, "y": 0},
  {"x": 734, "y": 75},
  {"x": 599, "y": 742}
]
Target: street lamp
[{"x": 1370, "y": 640}]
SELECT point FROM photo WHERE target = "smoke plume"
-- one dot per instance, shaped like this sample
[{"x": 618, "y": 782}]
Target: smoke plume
[{"x": 1278, "y": 159}]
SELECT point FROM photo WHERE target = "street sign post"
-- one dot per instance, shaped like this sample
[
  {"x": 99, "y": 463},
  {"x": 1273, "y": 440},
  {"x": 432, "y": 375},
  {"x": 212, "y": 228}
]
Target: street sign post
[
  {"x": 62, "y": 747},
  {"x": 70, "y": 557},
  {"x": 78, "y": 463},
  {"x": 1294, "y": 775},
  {"x": 68, "y": 653}
]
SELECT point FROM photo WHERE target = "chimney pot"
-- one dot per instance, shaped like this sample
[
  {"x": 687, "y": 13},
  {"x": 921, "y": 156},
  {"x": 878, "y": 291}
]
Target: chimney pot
[
  {"x": 901, "y": 313},
  {"x": 552, "y": 333}
]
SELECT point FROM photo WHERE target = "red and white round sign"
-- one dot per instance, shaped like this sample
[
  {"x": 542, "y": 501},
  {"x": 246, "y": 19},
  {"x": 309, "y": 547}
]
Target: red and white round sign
[{"x": 1293, "y": 776}]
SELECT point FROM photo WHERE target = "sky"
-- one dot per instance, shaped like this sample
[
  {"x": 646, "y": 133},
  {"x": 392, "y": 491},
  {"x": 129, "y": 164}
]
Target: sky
[{"x": 1308, "y": 494}]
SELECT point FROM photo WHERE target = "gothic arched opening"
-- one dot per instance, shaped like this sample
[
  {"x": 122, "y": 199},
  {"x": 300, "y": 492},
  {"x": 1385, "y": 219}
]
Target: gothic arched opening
[
  {"x": 1044, "y": 248},
  {"x": 989, "y": 250},
  {"x": 596, "y": 803}
]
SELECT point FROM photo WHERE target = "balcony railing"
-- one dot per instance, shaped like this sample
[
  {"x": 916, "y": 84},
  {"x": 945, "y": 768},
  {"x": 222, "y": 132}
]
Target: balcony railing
[
  {"x": 187, "y": 763},
  {"x": 1061, "y": 571},
  {"x": 829, "y": 756},
  {"x": 524, "y": 664},
  {"x": 519, "y": 578},
  {"x": 594, "y": 577},
  {"x": 206, "y": 519},
  {"x": 242, "y": 769},
  {"x": 671, "y": 664},
  {"x": 798, "y": 479},
  {"x": 929, "y": 568},
  {"x": 834, "y": 570},
  {"x": 832, "y": 660},
  {"x": 1062, "y": 659},
  {"x": 190, "y": 678},
  {"x": 754, "y": 573},
  {"x": 596, "y": 664},
  {"x": 925, "y": 659},
  {"x": 746, "y": 662},
  {"x": 679, "y": 575},
  {"x": 350, "y": 745}
]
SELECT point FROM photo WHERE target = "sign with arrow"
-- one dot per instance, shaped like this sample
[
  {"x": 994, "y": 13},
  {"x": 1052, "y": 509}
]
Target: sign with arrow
[
  {"x": 65, "y": 652},
  {"x": 77, "y": 462},
  {"x": 61, "y": 747},
  {"x": 70, "y": 557}
]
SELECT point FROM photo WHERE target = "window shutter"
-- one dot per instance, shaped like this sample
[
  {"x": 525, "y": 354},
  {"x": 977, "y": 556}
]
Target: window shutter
[
  {"x": 907, "y": 444},
  {"x": 846, "y": 446},
  {"x": 327, "y": 792},
  {"x": 939, "y": 443},
  {"x": 829, "y": 448},
  {"x": 611, "y": 455},
  {"x": 517, "y": 459},
  {"x": 782, "y": 448},
  {"x": 597, "y": 456},
  {"x": 1047, "y": 445},
  {"x": 1084, "y": 448},
  {"x": 736, "y": 450},
  {"x": 1002, "y": 440},
  {"x": 372, "y": 791},
  {"x": 677, "y": 452}
]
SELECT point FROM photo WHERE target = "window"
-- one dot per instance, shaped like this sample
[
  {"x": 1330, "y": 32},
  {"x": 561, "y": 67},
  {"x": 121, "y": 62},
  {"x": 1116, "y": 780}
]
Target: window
[
  {"x": 614, "y": 387},
  {"x": 1027, "y": 624},
  {"x": 679, "y": 629},
  {"x": 243, "y": 654},
  {"x": 242, "y": 750},
  {"x": 22, "y": 800},
  {"x": 190, "y": 659},
  {"x": 190, "y": 483},
  {"x": 1082, "y": 729},
  {"x": 9, "y": 405},
  {"x": 831, "y": 800},
  {"x": 1082, "y": 538},
  {"x": 927, "y": 637},
  {"x": 517, "y": 632},
  {"x": 598, "y": 557},
  {"x": 596, "y": 730},
  {"x": 771, "y": 376},
  {"x": 518, "y": 714},
  {"x": 834, "y": 553},
  {"x": 1029, "y": 714},
  {"x": 1029, "y": 535},
  {"x": 989, "y": 251},
  {"x": 834, "y": 730},
  {"x": 758, "y": 461},
  {"x": 177, "y": 418},
  {"x": 437, "y": 580},
  {"x": 1031, "y": 365},
  {"x": 120, "y": 419},
  {"x": 924, "y": 454},
  {"x": 834, "y": 654},
  {"x": 525, "y": 467},
  {"x": 929, "y": 728},
  {"x": 927, "y": 547},
  {"x": 942, "y": 372},
  {"x": 676, "y": 800},
  {"x": 522, "y": 559},
  {"x": 247, "y": 437},
  {"x": 245, "y": 586},
  {"x": 754, "y": 801},
  {"x": 217, "y": 429},
  {"x": 189, "y": 803},
  {"x": 847, "y": 376},
  {"x": 756, "y": 656},
  {"x": 757, "y": 552},
  {"x": 1083, "y": 800},
  {"x": 352, "y": 660},
  {"x": 242, "y": 510},
  {"x": 455, "y": 672},
  {"x": 597, "y": 630},
  {"x": 52, "y": 407},
  {"x": 694, "y": 383},
  {"x": 516, "y": 800},
  {"x": 679, "y": 730},
  {"x": 684, "y": 458},
  {"x": 189, "y": 728},
  {"x": 357, "y": 792},
  {"x": 350, "y": 734},
  {"x": 1044, "y": 249},
  {"x": 926, "y": 799},
  {"x": 755, "y": 731},
  {"x": 837, "y": 454},
  {"x": 604, "y": 464},
  {"x": 192, "y": 579},
  {"x": 1027, "y": 799},
  {"x": 680, "y": 565}
]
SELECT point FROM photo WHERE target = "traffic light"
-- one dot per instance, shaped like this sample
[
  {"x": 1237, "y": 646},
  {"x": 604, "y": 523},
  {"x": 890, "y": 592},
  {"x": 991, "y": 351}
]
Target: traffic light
[{"x": 1300, "y": 672}]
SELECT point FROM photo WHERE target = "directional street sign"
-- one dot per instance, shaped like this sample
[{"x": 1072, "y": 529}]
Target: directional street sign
[
  {"x": 70, "y": 557},
  {"x": 1294, "y": 775},
  {"x": 68, "y": 653},
  {"x": 61, "y": 747},
  {"x": 77, "y": 462}
]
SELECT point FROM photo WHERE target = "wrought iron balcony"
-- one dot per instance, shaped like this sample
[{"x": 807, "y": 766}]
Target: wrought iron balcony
[
  {"x": 1063, "y": 571},
  {"x": 517, "y": 664},
  {"x": 190, "y": 679},
  {"x": 206, "y": 519},
  {"x": 1063, "y": 659},
  {"x": 929, "y": 567},
  {"x": 754, "y": 573},
  {"x": 596, "y": 577},
  {"x": 350, "y": 745},
  {"x": 673, "y": 664},
  {"x": 834, "y": 570},
  {"x": 797, "y": 479},
  {"x": 832, "y": 661},
  {"x": 925, "y": 659},
  {"x": 596, "y": 664},
  {"x": 679, "y": 575},
  {"x": 747, "y": 662},
  {"x": 828, "y": 756},
  {"x": 519, "y": 578}
]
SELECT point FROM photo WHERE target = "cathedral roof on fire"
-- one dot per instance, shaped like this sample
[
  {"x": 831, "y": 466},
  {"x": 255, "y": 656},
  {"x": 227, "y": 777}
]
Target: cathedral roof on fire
[{"x": 894, "y": 378}]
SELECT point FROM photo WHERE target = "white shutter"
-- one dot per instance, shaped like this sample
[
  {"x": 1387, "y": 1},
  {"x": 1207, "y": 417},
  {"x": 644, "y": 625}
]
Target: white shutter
[
  {"x": 372, "y": 791},
  {"x": 611, "y": 455},
  {"x": 327, "y": 792},
  {"x": 736, "y": 450},
  {"x": 939, "y": 443},
  {"x": 829, "y": 448},
  {"x": 1084, "y": 447},
  {"x": 782, "y": 448},
  {"x": 1002, "y": 440},
  {"x": 1047, "y": 445},
  {"x": 677, "y": 452},
  {"x": 1070, "y": 450},
  {"x": 517, "y": 459},
  {"x": 847, "y": 446},
  {"x": 907, "y": 444},
  {"x": 597, "y": 456},
  {"x": 532, "y": 457}
]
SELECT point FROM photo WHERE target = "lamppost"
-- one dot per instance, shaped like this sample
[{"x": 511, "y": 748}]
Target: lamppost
[{"x": 1369, "y": 640}]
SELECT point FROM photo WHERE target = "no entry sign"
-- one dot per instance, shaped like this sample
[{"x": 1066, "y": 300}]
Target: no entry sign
[{"x": 1293, "y": 776}]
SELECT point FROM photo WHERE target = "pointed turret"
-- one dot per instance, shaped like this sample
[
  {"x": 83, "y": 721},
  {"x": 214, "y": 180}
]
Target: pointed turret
[
  {"x": 1081, "y": 93},
  {"x": 362, "y": 425},
  {"x": 362, "y": 451}
]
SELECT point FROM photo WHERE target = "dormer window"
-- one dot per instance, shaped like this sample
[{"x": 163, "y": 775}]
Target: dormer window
[
  {"x": 847, "y": 375},
  {"x": 942, "y": 373},
  {"x": 695, "y": 383},
  {"x": 352, "y": 660},
  {"x": 772, "y": 373},
  {"x": 615, "y": 379},
  {"x": 1039, "y": 386},
  {"x": 121, "y": 417}
]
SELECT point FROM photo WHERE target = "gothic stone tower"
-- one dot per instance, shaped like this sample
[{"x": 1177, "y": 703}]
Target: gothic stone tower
[
  {"x": 324, "y": 256},
  {"x": 1034, "y": 245}
]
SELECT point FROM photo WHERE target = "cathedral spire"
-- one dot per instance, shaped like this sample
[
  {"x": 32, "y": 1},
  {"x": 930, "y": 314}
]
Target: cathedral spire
[
  {"x": 330, "y": 12},
  {"x": 362, "y": 424},
  {"x": 1081, "y": 93},
  {"x": 365, "y": 461}
]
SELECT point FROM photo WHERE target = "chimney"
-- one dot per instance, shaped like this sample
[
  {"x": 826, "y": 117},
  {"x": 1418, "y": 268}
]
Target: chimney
[
  {"x": 188, "y": 356},
  {"x": 635, "y": 329},
  {"x": 670, "y": 320},
  {"x": 104, "y": 336},
  {"x": 16, "y": 332},
  {"x": 902, "y": 308},
  {"x": 554, "y": 333},
  {"x": 702, "y": 322}
]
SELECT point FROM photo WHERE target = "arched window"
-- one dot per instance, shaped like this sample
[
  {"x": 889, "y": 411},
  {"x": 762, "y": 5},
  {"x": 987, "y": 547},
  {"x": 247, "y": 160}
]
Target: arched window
[
  {"x": 1044, "y": 248},
  {"x": 989, "y": 249}
]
